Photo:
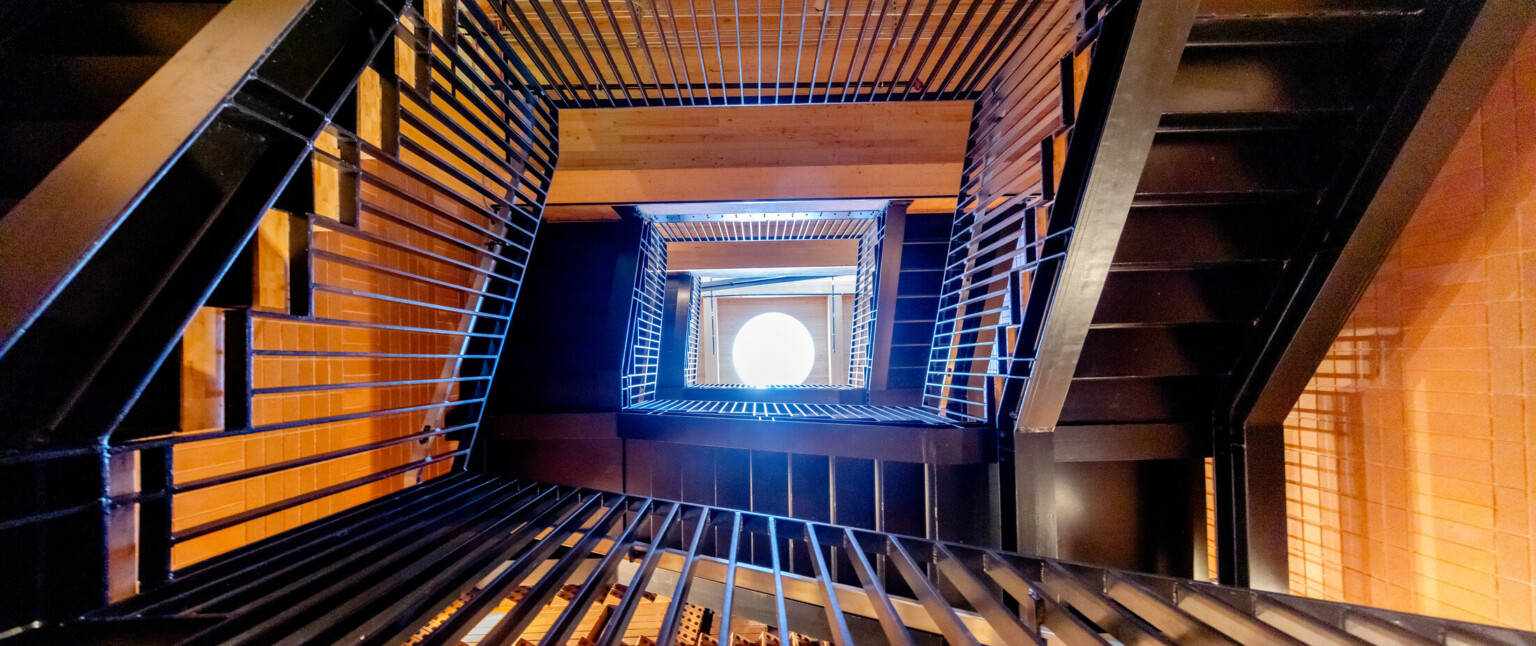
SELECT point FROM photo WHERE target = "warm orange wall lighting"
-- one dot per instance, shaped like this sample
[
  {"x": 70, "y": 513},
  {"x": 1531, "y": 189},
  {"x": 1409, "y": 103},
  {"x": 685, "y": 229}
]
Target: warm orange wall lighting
[{"x": 1411, "y": 458}]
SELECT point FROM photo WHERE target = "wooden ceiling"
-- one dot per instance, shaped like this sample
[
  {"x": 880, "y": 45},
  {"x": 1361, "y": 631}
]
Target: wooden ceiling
[{"x": 620, "y": 53}]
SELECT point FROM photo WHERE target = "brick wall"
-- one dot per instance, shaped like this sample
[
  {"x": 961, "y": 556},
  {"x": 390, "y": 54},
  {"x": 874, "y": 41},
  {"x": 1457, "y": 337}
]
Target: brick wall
[{"x": 1411, "y": 458}]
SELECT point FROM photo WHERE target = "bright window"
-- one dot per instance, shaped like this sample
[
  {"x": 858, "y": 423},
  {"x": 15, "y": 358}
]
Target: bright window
[{"x": 773, "y": 349}]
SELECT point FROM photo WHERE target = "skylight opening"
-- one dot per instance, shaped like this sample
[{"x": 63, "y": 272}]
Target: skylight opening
[{"x": 773, "y": 349}]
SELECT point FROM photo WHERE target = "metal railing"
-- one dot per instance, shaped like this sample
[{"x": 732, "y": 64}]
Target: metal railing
[
  {"x": 691, "y": 358},
  {"x": 1022, "y": 122},
  {"x": 642, "y": 359},
  {"x": 620, "y": 54},
  {"x": 863, "y": 413},
  {"x": 643, "y": 351},
  {"x": 491, "y": 562},
  {"x": 426, "y": 265},
  {"x": 861, "y": 344},
  {"x": 767, "y": 227}
]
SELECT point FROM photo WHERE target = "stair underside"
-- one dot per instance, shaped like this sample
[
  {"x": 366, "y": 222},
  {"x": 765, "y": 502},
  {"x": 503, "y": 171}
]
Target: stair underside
[{"x": 1260, "y": 122}]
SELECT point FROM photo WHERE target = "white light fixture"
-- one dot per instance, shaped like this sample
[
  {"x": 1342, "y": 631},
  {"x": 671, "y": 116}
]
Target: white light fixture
[{"x": 773, "y": 349}]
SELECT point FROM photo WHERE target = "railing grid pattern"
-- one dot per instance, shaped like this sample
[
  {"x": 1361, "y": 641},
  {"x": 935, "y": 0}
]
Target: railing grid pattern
[
  {"x": 643, "y": 357},
  {"x": 862, "y": 344},
  {"x": 1019, "y": 132}
]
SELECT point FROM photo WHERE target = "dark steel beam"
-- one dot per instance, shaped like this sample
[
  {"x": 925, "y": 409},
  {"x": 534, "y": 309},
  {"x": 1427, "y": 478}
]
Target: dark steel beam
[
  {"x": 826, "y": 395},
  {"x": 613, "y": 633},
  {"x": 728, "y": 596},
  {"x": 935, "y": 445},
  {"x": 981, "y": 598},
  {"x": 667, "y": 633},
  {"x": 540, "y": 594},
  {"x": 1139, "y": 51},
  {"x": 560, "y": 520},
  {"x": 384, "y": 563},
  {"x": 260, "y": 612},
  {"x": 895, "y": 630},
  {"x": 781, "y": 615},
  {"x": 560, "y": 632},
  {"x": 835, "y": 617},
  {"x": 885, "y": 307},
  {"x": 954, "y": 631},
  {"x": 676, "y": 306},
  {"x": 1037, "y": 606}
]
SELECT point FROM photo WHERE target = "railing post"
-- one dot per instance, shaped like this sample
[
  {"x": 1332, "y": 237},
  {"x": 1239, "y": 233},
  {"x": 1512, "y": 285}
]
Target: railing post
[
  {"x": 676, "y": 308},
  {"x": 157, "y": 481},
  {"x": 238, "y": 331}
]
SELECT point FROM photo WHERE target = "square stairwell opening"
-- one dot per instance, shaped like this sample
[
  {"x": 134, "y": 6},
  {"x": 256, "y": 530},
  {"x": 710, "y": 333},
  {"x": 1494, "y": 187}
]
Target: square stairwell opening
[{"x": 754, "y": 299}]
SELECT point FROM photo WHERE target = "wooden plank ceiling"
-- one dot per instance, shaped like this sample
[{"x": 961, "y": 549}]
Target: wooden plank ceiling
[
  {"x": 723, "y": 154},
  {"x": 621, "y": 53}
]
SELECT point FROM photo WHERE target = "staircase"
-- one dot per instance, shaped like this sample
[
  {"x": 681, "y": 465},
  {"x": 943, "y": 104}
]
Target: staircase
[
  {"x": 923, "y": 244},
  {"x": 68, "y": 65},
  {"x": 1283, "y": 155},
  {"x": 1262, "y": 112},
  {"x": 140, "y": 144}
]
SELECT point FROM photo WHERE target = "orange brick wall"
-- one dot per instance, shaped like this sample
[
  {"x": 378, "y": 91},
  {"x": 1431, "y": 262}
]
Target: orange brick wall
[{"x": 1411, "y": 458}]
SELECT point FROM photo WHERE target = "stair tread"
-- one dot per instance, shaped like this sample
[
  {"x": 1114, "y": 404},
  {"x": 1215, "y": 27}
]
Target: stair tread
[
  {"x": 1161, "y": 324},
  {"x": 1229, "y": 120},
  {"x": 1235, "y": 292},
  {"x": 1239, "y": 161},
  {"x": 1138, "y": 400},
  {"x": 1280, "y": 76},
  {"x": 1323, "y": 27},
  {"x": 1192, "y": 265},
  {"x": 1281, "y": 8},
  {"x": 1119, "y": 352}
]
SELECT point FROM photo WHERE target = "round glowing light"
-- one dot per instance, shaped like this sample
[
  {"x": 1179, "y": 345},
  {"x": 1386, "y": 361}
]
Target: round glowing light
[{"x": 773, "y": 349}]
